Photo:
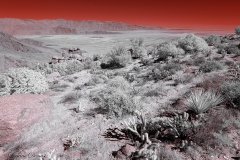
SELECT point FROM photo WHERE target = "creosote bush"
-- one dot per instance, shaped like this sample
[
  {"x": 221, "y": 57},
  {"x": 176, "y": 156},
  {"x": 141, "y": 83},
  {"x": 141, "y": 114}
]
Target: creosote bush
[
  {"x": 97, "y": 79},
  {"x": 64, "y": 68},
  {"x": 210, "y": 66},
  {"x": 5, "y": 85},
  {"x": 168, "y": 49},
  {"x": 138, "y": 48},
  {"x": 116, "y": 99},
  {"x": 232, "y": 49},
  {"x": 22, "y": 80},
  {"x": 237, "y": 30},
  {"x": 213, "y": 39},
  {"x": 118, "y": 57},
  {"x": 71, "y": 97},
  {"x": 193, "y": 44},
  {"x": 231, "y": 90}
]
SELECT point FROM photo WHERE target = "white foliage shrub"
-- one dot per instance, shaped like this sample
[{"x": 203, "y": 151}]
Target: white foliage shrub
[
  {"x": 68, "y": 67},
  {"x": 118, "y": 56},
  {"x": 4, "y": 85},
  {"x": 169, "y": 49},
  {"x": 192, "y": 43},
  {"x": 237, "y": 30},
  {"x": 23, "y": 80},
  {"x": 138, "y": 48}
]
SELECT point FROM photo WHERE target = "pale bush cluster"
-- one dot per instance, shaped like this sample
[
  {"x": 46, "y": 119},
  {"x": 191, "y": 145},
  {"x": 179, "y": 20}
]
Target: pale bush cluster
[
  {"x": 231, "y": 90},
  {"x": 213, "y": 39},
  {"x": 115, "y": 99},
  {"x": 64, "y": 68},
  {"x": 5, "y": 85},
  {"x": 210, "y": 66},
  {"x": 137, "y": 47},
  {"x": 118, "y": 57},
  {"x": 188, "y": 44},
  {"x": 22, "y": 80},
  {"x": 168, "y": 49},
  {"x": 192, "y": 44},
  {"x": 237, "y": 30},
  {"x": 68, "y": 67},
  {"x": 97, "y": 79}
]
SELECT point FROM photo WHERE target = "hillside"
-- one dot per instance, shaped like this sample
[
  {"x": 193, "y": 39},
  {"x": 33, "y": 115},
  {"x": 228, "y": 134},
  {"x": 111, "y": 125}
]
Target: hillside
[{"x": 60, "y": 26}]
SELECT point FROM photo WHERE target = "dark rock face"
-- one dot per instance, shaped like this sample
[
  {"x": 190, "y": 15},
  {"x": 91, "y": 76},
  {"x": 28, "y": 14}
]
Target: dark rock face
[{"x": 64, "y": 30}]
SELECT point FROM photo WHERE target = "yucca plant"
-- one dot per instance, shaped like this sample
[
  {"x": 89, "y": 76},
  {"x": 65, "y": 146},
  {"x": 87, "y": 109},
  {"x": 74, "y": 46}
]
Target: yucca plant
[{"x": 200, "y": 101}]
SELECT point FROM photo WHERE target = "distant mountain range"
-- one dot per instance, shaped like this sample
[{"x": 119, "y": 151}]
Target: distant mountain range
[{"x": 15, "y": 26}]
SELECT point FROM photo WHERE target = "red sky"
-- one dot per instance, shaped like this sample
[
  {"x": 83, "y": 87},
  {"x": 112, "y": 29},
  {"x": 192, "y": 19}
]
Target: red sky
[{"x": 163, "y": 13}]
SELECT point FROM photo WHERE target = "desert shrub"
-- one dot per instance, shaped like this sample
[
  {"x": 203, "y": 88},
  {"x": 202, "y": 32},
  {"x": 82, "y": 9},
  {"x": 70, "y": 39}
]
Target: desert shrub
[
  {"x": 172, "y": 67},
  {"x": 210, "y": 66},
  {"x": 96, "y": 57},
  {"x": 200, "y": 101},
  {"x": 231, "y": 90},
  {"x": 88, "y": 63},
  {"x": 168, "y": 154},
  {"x": 69, "y": 79},
  {"x": 68, "y": 67},
  {"x": 115, "y": 102},
  {"x": 130, "y": 77},
  {"x": 120, "y": 83},
  {"x": 222, "y": 139},
  {"x": 115, "y": 99},
  {"x": 57, "y": 87},
  {"x": 199, "y": 61},
  {"x": 213, "y": 39},
  {"x": 118, "y": 57},
  {"x": 24, "y": 80},
  {"x": 204, "y": 136},
  {"x": 5, "y": 85},
  {"x": 232, "y": 49},
  {"x": 192, "y": 44},
  {"x": 168, "y": 49},
  {"x": 71, "y": 97},
  {"x": 79, "y": 87},
  {"x": 152, "y": 93},
  {"x": 237, "y": 30},
  {"x": 137, "y": 47},
  {"x": 44, "y": 67},
  {"x": 182, "y": 78},
  {"x": 159, "y": 72},
  {"x": 96, "y": 79},
  {"x": 146, "y": 61},
  {"x": 213, "y": 82}
]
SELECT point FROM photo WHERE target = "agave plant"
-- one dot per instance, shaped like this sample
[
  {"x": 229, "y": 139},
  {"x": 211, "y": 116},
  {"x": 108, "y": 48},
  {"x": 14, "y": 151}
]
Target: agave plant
[{"x": 200, "y": 101}]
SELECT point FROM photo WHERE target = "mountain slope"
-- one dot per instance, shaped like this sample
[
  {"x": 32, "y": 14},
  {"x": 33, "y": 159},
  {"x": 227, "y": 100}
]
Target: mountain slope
[{"x": 60, "y": 26}]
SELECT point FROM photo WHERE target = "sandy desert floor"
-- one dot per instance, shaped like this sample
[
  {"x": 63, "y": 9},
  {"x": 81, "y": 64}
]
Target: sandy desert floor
[{"x": 97, "y": 134}]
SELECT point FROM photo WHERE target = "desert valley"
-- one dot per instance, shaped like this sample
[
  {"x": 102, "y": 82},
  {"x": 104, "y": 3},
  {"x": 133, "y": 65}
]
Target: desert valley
[{"x": 92, "y": 90}]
